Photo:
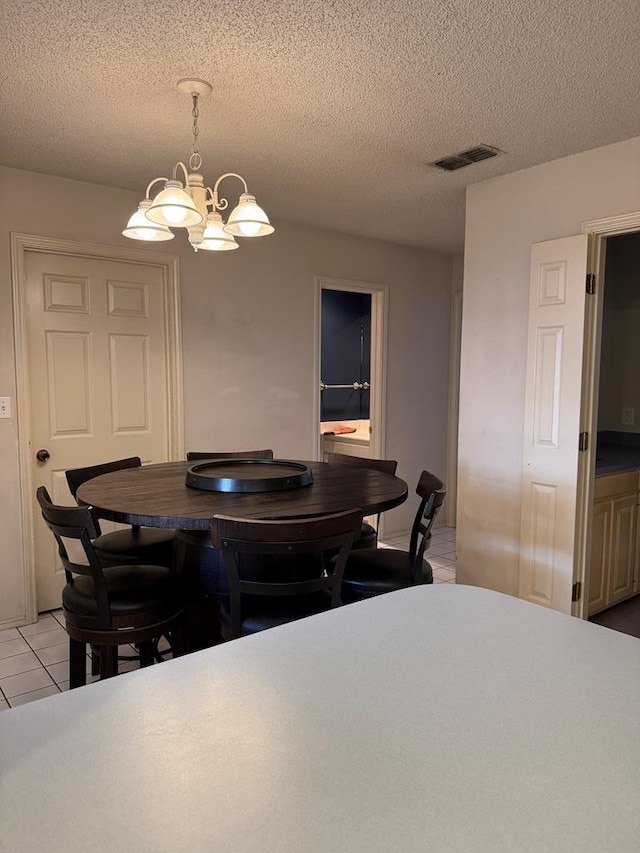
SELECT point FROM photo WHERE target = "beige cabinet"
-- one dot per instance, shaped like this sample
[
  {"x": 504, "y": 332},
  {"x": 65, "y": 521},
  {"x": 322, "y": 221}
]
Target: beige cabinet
[{"x": 615, "y": 537}]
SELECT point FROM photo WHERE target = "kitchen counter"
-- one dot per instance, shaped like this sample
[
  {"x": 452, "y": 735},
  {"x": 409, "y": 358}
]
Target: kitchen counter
[
  {"x": 441, "y": 718},
  {"x": 613, "y": 458}
]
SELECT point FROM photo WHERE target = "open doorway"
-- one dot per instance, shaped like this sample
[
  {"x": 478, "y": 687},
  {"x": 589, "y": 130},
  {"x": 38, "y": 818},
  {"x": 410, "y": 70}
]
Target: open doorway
[
  {"x": 345, "y": 372},
  {"x": 350, "y": 368}
]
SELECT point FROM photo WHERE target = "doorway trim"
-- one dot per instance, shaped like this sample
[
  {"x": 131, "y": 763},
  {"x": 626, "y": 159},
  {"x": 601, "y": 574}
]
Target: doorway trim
[
  {"x": 597, "y": 230},
  {"x": 379, "y": 324},
  {"x": 169, "y": 264}
]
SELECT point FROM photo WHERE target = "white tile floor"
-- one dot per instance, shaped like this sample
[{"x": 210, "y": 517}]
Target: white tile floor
[
  {"x": 34, "y": 660},
  {"x": 441, "y": 554}
]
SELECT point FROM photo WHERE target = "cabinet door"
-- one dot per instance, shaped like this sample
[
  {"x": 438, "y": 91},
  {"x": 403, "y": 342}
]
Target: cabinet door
[
  {"x": 600, "y": 555},
  {"x": 622, "y": 548}
]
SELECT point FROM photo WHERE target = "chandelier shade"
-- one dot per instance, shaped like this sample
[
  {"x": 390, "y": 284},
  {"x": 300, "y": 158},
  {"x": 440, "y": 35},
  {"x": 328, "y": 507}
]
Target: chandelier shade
[
  {"x": 174, "y": 207},
  {"x": 248, "y": 220},
  {"x": 140, "y": 228},
  {"x": 195, "y": 206},
  {"x": 214, "y": 238}
]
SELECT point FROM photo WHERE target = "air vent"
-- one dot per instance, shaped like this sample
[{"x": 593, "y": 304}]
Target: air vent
[{"x": 466, "y": 158}]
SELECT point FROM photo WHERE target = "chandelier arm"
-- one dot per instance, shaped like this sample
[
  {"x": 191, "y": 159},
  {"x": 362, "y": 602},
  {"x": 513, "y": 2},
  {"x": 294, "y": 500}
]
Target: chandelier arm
[
  {"x": 223, "y": 203},
  {"x": 210, "y": 198},
  {"x": 184, "y": 169},
  {"x": 230, "y": 175},
  {"x": 154, "y": 181},
  {"x": 216, "y": 202}
]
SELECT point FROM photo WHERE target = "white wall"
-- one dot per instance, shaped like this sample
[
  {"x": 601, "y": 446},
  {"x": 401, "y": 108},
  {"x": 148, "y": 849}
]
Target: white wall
[
  {"x": 504, "y": 217},
  {"x": 248, "y": 338}
]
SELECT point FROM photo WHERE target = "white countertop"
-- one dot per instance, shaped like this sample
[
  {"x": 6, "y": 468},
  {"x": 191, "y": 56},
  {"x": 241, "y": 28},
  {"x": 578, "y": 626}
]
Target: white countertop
[{"x": 440, "y": 718}]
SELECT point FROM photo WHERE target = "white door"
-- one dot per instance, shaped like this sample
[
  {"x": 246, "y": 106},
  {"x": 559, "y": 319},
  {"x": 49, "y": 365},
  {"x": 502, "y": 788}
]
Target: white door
[
  {"x": 552, "y": 421},
  {"x": 97, "y": 366}
]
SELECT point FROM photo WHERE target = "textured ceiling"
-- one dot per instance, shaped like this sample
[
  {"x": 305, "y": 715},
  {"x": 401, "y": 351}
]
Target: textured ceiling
[{"x": 329, "y": 109}]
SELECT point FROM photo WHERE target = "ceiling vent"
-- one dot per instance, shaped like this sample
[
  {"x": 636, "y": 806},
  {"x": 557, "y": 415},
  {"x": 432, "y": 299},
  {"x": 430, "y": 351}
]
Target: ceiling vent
[{"x": 466, "y": 158}]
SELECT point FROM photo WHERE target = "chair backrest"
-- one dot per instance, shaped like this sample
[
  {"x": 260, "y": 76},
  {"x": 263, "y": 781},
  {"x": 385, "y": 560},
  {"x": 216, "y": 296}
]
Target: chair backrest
[
  {"x": 233, "y": 454},
  {"x": 77, "y": 476},
  {"x": 387, "y": 466},
  {"x": 77, "y": 523},
  {"x": 432, "y": 492},
  {"x": 330, "y": 535}
]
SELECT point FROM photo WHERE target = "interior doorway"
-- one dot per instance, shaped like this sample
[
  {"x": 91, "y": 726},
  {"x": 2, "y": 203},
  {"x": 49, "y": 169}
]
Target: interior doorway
[
  {"x": 614, "y": 553},
  {"x": 349, "y": 415},
  {"x": 561, "y": 416},
  {"x": 98, "y": 363},
  {"x": 345, "y": 371}
]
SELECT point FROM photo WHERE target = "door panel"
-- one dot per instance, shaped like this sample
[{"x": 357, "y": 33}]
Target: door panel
[
  {"x": 97, "y": 377},
  {"x": 552, "y": 421},
  {"x": 129, "y": 371}
]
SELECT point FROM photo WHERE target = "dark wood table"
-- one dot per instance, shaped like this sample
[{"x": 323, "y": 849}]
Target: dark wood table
[{"x": 156, "y": 496}]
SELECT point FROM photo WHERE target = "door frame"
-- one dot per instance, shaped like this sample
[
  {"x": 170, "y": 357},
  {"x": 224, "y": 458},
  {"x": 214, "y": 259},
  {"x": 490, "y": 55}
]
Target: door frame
[
  {"x": 169, "y": 264},
  {"x": 379, "y": 333},
  {"x": 598, "y": 231}
]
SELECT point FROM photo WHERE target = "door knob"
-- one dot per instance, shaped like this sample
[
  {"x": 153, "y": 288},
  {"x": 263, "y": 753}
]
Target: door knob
[{"x": 43, "y": 455}]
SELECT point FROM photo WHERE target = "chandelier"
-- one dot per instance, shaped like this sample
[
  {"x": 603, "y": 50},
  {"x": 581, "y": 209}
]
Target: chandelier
[{"x": 193, "y": 205}]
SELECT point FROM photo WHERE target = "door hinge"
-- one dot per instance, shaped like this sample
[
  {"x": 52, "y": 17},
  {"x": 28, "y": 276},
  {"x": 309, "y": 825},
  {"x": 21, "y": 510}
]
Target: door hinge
[
  {"x": 591, "y": 283},
  {"x": 576, "y": 591},
  {"x": 583, "y": 441}
]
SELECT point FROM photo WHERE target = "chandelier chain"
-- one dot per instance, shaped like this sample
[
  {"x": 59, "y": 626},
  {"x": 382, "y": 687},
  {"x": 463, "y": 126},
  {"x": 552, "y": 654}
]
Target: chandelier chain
[{"x": 195, "y": 160}]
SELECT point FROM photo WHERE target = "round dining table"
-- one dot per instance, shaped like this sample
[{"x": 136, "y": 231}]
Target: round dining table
[{"x": 157, "y": 496}]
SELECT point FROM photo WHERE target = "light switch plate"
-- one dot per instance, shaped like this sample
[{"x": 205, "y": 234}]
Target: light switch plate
[{"x": 5, "y": 407}]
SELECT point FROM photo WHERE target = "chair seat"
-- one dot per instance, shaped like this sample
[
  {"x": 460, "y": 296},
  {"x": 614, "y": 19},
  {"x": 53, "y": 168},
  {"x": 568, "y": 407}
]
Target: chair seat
[
  {"x": 148, "y": 545},
  {"x": 263, "y": 612},
  {"x": 369, "y": 573},
  {"x": 138, "y": 596},
  {"x": 368, "y": 538}
]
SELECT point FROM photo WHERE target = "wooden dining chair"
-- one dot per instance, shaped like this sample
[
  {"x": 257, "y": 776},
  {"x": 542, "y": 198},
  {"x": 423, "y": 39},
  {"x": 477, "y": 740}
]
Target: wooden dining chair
[
  {"x": 110, "y": 606},
  {"x": 133, "y": 544},
  {"x": 194, "y": 547},
  {"x": 193, "y": 455},
  {"x": 276, "y": 571},
  {"x": 195, "y": 554},
  {"x": 372, "y": 572},
  {"x": 369, "y": 534}
]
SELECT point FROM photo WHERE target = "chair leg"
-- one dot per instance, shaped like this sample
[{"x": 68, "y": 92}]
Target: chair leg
[
  {"x": 95, "y": 661},
  {"x": 77, "y": 664},
  {"x": 108, "y": 661},
  {"x": 147, "y": 655}
]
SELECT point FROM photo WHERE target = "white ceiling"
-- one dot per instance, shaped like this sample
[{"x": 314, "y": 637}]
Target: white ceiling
[{"x": 329, "y": 109}]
